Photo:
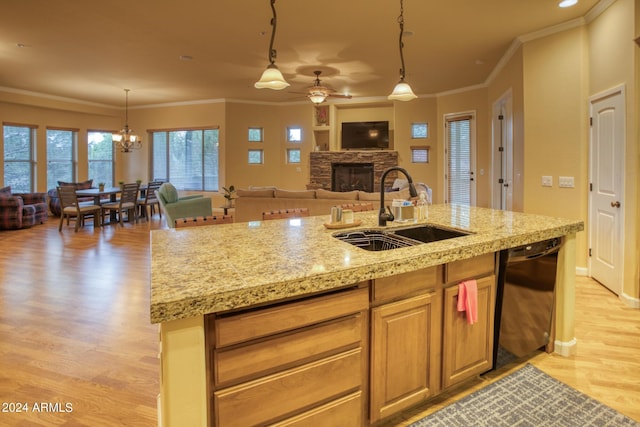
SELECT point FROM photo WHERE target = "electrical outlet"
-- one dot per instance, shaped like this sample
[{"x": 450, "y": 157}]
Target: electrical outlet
[
  {"x": 547, "y": 181},
  {"x": 566, "y": 182}
]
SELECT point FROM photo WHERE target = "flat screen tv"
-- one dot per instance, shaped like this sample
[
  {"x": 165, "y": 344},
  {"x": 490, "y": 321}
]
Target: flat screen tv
[{"x": 365, "y": 135}]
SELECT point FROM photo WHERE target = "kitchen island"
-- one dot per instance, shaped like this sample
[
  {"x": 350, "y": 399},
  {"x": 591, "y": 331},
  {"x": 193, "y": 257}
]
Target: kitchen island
[{"x": 203, "y": 278}]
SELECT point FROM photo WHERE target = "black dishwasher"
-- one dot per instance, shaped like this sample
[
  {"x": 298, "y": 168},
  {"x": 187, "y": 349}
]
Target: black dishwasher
[{"x": 525, "y": 299}]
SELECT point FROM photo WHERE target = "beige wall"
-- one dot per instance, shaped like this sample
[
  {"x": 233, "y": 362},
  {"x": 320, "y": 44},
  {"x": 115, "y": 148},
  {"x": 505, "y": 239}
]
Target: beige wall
[
  {"x": 421, "y": 110},
  {"x": 556, "y": 127}
]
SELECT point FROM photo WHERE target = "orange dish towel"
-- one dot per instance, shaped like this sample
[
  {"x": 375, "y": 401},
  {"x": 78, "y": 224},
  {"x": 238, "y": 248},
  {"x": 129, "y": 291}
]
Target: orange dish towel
[{"x": 468, "y": 300}]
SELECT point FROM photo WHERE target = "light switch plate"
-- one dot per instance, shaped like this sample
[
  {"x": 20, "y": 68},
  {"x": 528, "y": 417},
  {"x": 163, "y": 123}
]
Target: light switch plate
[
  {"x": 547, "y": 181},
  {"x": 566, "y": 182}
]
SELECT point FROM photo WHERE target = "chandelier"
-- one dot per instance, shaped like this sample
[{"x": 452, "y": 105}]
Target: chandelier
[
  {"x": 402, "y": 91},
  {"x": 126, "y": 140},
  {"x": 272, "y": 77}
]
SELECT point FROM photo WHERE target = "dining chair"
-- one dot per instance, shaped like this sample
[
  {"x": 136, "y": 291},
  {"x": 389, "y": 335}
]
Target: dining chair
[
  {"x": 203, "y": 220},
  {"x": 148, "y": 203},
  {"x": 285, "y": 213},
  {"x": 70, "y": 208},
  {"x": 358, "y": 207},
  {"x": 128, "y": 202}
]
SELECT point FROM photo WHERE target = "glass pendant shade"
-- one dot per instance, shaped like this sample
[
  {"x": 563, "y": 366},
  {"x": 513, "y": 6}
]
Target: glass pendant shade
[
  {"x": 317, "y": 97},
  {"x": 402, "y": 92},
  {"x": 271, "y": 79}
]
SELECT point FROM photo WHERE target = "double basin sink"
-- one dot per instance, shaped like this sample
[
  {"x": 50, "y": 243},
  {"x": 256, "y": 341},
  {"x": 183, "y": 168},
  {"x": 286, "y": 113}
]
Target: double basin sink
[{"x": 382, "y": 240}]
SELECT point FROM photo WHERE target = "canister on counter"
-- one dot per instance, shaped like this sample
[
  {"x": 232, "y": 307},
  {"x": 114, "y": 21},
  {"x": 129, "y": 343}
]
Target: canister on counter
[{"x": 336, "y": 214}]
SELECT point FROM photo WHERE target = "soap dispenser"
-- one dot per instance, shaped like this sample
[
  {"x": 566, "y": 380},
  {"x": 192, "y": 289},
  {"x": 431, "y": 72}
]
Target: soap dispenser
[{"x": 422, "y": 207}]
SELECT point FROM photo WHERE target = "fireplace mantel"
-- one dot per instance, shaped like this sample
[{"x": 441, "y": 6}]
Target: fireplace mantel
[{"x": 321, "y": 161}]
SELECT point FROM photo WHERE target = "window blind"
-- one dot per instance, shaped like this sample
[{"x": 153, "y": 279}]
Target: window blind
[{"x": 459, "y": 160}]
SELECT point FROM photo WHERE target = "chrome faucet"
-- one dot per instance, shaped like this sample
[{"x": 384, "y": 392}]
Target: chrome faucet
[{"x": 385, "y": 216}]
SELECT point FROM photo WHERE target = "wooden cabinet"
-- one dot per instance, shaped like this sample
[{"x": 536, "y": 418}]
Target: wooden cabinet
[
  {"x": 403, "y": 354},
  {"x": 467, "y": 349},
  {"x": 405, "y": 341},
  {"x": 298, "y": 363}
]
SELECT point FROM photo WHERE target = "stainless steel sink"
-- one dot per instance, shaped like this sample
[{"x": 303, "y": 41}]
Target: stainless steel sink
[
  {"x": 428, "y": 233},
  {"x": 375, "y": 240},
  {"x": 383, "y": 240}
]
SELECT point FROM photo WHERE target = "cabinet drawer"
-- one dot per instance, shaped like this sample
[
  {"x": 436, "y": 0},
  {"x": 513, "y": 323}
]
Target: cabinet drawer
[
  {"x": 346, "y": 411},
  {"x": 245, "y": 326},
  {"x": 264, "y": 400},
  {"x": 478, "y": 266},
  {"x": 405, "y": 284},
  {"x": 265, "y": 356}
]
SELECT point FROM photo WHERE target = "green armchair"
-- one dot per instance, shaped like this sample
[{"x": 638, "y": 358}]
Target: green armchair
[{"x": 175, "y": 207}]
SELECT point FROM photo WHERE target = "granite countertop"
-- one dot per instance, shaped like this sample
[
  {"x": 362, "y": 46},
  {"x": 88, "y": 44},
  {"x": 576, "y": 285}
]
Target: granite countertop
[{"x": 200, "y": 270}]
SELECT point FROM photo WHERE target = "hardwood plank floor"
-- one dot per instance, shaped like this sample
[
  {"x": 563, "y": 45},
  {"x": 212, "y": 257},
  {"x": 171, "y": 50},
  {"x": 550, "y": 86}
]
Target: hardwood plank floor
[{"x": 74, "y": 329}]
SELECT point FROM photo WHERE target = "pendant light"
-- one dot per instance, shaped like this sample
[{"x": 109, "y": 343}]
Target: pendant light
[
  {"x": 126, "y": 140},
  {"x": 272, "y": 77},
  {"x": 402, "y": 91}
]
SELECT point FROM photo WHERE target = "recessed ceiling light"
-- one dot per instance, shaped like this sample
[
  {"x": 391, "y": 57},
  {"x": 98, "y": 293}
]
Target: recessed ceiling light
[{"x": 567, "y": 3}]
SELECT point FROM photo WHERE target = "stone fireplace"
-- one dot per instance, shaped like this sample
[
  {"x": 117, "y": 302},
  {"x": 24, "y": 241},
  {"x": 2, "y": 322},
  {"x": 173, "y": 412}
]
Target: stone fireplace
[
  {"x": 352, "y": 176},
  {"x": 321, "y": 167}
]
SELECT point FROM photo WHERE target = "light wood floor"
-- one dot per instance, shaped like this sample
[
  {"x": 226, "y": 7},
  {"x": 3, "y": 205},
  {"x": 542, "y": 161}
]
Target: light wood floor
[{"x": 74, "y": 329}]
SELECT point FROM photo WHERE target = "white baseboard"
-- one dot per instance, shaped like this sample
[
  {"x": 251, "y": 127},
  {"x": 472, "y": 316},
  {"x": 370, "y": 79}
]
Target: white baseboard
[
  {"x": 566, "y": 348},
  {"x": 159, "y": 410},
  {"x": 582, "y": 271},
  {"x": 629, "y": 300}
]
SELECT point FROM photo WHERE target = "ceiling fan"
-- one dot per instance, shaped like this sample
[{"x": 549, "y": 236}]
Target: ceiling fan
[{"x": 318, "y": 93}]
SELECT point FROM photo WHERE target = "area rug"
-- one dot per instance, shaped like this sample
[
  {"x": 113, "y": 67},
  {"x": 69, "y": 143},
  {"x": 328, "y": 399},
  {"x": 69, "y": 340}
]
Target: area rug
[{"x": 526, "y": 398}]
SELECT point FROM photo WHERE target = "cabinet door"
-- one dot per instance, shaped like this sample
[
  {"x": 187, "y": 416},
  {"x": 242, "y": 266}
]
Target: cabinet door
[
  {"x": 402, "y": 348},
  {"x": 467, "y": 349}
]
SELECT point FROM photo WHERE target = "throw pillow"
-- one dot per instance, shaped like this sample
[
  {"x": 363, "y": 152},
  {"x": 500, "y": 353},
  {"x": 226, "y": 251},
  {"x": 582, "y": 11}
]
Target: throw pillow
[
  {"x": 289, "y": 194},
  {"x": 254, "y": 193},
  {"x": 342, "y": 195},
  {"x": 6, "y": 191},
  {"x": 168, "y": 192}
]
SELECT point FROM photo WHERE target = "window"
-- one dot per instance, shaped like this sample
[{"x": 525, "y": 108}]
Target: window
[
  {"x": 419, "y": 131},
  {"x": 61, "y": 149},
  {"x": 420, "y": 154},
  {"x": 293, "y": 155},
  {"x": 19, "y": 164},
  {"x": 100, "y": 156},
  {"x": 294, "y": 134},
  {"x": 255, "y": 135},
  {"x": 256, "y": 157},
  {"x": 459, "y": 163},
  {"x": 187, "y": 158}
]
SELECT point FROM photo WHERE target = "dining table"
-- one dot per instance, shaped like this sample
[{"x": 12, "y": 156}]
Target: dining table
[{"x": 102, "y": 194}]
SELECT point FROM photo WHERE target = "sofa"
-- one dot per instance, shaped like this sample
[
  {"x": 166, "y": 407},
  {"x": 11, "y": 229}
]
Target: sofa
[
  {"x": 251, "y": 202},
  {"x": 54, "y": 201},
  {"x": 175, "y": 207},
  {"x": 22, "y": 210}
]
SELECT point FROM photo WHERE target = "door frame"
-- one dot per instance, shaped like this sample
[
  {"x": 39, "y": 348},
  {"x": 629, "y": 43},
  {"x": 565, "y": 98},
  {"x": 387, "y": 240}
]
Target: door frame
[
  {"x": 473, "y": 152},
  {"x": 615, "y": 91},
  {"x": 502, "y": 136}
]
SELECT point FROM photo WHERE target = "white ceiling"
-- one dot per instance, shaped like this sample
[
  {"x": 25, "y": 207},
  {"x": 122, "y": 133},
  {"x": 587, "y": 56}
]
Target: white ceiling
[{"x": 91, "y": 50}]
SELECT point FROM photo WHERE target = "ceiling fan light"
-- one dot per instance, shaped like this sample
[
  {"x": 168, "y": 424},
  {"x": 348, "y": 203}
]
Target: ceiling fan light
[
  {"x": 402, "y": 92},
  {"x": 317, "y": 98},
  {"x": 567, "y": 3},
  {"x": 271, "y": 78}
]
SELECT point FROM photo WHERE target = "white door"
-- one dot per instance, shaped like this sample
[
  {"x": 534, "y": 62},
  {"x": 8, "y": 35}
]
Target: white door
[
  {"x": 502, "y": 154},
  {"x": 460, "y": 159},
  {"x": 606, "y": 204}
]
